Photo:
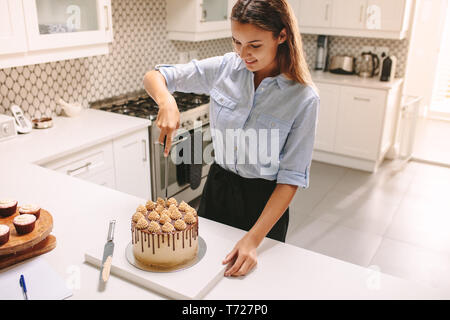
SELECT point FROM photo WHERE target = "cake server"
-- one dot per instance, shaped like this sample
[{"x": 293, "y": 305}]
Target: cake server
[{"x": 108, "y": 254}]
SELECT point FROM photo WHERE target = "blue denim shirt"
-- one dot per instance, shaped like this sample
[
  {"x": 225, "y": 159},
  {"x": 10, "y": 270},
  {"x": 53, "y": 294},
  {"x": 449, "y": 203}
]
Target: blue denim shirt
[{"x": 281, "y": 114}]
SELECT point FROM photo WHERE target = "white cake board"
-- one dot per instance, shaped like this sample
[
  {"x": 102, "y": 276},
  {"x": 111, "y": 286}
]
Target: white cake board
[{"x": 192, "y": 283}]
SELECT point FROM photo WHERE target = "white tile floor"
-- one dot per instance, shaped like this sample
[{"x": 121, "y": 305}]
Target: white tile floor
[
  {"x": 397, "y": 221},
  {"x": 432, "y": 143}
]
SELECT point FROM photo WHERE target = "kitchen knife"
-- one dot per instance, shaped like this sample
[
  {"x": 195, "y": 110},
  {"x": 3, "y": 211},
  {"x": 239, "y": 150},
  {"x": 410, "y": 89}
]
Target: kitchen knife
[
  {"x": 166, "y": 167},
  {"x": 108, "y": 254}
]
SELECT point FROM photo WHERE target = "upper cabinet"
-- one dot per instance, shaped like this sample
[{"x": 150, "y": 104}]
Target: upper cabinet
[
  {"x": 199, "y": 20},
  {"x": 52, "y": 30},
  {"x": 12, "y": 27},
  {"x": 321, "y": 8},
  {"x": 387, "y": 19}
]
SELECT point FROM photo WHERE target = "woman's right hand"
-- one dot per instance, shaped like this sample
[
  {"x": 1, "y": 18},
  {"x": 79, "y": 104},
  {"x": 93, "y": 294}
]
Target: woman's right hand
[{"x": 168, "y": 121}]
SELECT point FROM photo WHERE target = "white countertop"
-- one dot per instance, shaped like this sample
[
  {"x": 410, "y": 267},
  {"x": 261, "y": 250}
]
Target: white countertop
[
  {"x": 69, "y": 135},
  {"x": 81, "y": 211},
  {"x": 354, "y": 80}
]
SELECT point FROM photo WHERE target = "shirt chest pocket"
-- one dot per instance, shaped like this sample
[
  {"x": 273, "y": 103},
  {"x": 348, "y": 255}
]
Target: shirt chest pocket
[
  {"x": 223, "y": 106},
  {"x": 271, "y": 128}
]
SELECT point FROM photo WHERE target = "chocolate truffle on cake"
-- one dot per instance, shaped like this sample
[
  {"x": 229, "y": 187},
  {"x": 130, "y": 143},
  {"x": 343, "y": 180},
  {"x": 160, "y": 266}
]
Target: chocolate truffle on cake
[
  {"x": 7, "y": 207},
  {"x": 4, "y": 234},
  {"x": 30, "y": 209},
  {"x": 150, "y": 205},
  {"x": 24, "y": 223}
]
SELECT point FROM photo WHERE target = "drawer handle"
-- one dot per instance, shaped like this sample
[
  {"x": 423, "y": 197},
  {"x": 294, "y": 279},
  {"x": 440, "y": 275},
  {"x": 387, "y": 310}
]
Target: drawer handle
[
  {"x": 107, "y": 18},
  {"x": 327, "y": 7},
  {"x": 361, "y": 14},
  {"x": 361, "y": 99},
  {"x": 69, "y": 172},
  {"x": 144, "y": 143}
]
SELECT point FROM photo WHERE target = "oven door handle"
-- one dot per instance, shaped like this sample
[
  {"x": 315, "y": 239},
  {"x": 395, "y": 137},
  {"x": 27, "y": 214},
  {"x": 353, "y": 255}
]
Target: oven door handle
[{"x": 175, "y": 143}]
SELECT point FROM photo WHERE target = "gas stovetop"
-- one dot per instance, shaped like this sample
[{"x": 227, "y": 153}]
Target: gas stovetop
[{"x": 140, "y": 104}]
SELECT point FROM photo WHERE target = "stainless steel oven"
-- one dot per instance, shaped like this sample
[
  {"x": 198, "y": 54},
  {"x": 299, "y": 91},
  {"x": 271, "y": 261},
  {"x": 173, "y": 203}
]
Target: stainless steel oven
[
  {"x": 192, "y": 107},
  {"x": 176, "y": 187}
]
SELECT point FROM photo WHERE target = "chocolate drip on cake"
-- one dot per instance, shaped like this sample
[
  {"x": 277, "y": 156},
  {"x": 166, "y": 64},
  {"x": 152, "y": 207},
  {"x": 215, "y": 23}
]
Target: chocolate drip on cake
[
  {"x": 158, "y": 241},
  {"x": 153, "y": 243}
]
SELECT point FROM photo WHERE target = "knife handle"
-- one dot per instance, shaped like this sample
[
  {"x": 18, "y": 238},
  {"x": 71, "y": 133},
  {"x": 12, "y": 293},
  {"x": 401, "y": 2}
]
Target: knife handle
[
  {"x": 112, "y": 224},
  {"x": 106, "y": 269}
]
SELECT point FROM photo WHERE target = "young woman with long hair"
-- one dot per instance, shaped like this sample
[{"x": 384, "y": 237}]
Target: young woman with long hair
[{"x": 263, "y": 115}]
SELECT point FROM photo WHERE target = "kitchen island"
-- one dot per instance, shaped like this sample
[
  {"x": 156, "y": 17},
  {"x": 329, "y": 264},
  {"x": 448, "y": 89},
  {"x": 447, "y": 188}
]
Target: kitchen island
[{"x": 82, "y": 210}]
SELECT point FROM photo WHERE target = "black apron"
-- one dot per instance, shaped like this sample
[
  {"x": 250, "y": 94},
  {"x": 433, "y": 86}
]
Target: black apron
[{"x": 238, "y": 202}]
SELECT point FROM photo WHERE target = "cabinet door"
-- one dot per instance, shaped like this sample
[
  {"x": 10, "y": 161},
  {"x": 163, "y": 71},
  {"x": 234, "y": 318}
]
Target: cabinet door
[
  {"x": 359, "y": 122},
  {"x": 385, "y": 15},
  {"x": 315, "y": 13},
  {"x": 12, "y": 27},
  {"x": 67, "y": 23},
  {"x": 349, "y": 14},
  {"x": 214, "y": 16},
  {"x": 132, "y": 164},
  {"x": 328, "y": 109}
]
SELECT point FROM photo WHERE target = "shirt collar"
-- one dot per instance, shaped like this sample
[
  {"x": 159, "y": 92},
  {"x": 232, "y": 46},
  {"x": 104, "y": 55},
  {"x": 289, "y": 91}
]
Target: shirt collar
[{"x": 281, "y": 79}]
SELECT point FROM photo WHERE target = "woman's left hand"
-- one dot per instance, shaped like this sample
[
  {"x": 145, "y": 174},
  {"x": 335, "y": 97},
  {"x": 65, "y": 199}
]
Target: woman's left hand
[{"x": 242, "y": 259}]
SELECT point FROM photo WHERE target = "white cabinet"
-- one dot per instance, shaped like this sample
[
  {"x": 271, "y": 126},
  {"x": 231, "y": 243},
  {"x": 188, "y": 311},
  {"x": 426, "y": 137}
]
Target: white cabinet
[
  {"x": 95, "y": 164},
  {"x": 359, "y": 122},
  {"x": 52, "y": 30},
  {"x": 322, "y": 12},
  {"x": 349, "y": 14},
  {"x": 122, "y": 164},
  {"x": 132, "y": 164},
  {"x": 12, "y": 27},
  {"x": 388, "y": 13},
  {"x": 198, "y": 20},
  {"x": 356, "y": 126},
  {"x": 358, "y": 18},
  {"x": 329, "y": 103}
]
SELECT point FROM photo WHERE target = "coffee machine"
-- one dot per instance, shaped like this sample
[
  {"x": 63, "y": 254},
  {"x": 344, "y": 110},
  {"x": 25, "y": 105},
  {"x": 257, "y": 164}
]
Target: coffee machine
[{"x": 322, "y": 53}]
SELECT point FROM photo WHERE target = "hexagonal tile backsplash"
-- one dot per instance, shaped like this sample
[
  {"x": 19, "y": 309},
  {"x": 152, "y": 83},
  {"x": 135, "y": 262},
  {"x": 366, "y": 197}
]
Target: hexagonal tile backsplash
[{"x": 140, "y": 43}]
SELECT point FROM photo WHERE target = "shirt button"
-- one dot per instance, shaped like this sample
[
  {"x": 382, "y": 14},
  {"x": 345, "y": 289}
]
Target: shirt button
[{"x": 272, "y": 124}]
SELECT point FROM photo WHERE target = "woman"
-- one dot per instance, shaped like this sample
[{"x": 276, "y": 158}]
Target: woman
[{"x": 264, "y": 87}]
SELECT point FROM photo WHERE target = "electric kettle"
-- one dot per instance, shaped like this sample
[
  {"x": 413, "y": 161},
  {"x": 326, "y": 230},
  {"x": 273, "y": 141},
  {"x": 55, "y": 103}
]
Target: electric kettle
[{"x": 369, "y": 64}]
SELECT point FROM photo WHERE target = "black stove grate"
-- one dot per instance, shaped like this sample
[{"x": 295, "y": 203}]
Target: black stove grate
[{"x": 146, "y": 107}]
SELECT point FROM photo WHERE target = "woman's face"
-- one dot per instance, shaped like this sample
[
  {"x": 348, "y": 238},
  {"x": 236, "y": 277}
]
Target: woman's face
[{"x": 256, "y": 46}]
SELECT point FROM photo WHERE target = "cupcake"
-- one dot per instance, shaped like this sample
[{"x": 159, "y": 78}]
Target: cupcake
[
  {"x": 30, "y": 209},
  {"x": 7, "y": 207},
  {"x": 4, "y": 234},
  {"x": 24, "y": 223}
]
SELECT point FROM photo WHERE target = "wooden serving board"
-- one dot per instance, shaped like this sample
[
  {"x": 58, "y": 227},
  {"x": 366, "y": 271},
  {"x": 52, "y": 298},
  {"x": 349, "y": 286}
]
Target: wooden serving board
[
  {"x": 42, "y": 247},
  {"x": 18, "y": 243}
]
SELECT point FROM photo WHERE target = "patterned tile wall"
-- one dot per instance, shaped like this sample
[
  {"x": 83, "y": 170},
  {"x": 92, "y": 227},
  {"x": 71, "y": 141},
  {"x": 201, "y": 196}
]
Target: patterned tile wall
[{"x": 140, "y": 42}]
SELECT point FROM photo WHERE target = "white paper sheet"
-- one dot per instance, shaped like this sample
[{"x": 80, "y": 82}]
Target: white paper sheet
[{"x": 42, "y": 281}]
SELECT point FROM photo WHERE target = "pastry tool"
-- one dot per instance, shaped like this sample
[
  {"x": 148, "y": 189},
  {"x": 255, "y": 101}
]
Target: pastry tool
[{"x": 107, "y": 255}]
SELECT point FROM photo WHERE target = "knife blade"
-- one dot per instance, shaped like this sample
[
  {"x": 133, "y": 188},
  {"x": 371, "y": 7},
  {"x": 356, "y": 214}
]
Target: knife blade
[
  {"x": 108, "y": 254},
  {"x": 166, "y": 167}
]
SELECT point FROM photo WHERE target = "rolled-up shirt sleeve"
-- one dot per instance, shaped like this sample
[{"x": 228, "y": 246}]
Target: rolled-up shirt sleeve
[
  {"x": 197, "y": 76},
  {"x": 296, "y": 155}
]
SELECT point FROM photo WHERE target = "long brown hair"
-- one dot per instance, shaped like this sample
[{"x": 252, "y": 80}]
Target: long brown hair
[{"x": 274, "y": 15}]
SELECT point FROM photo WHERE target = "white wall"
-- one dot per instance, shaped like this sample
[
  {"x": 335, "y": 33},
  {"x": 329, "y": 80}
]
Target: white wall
[{"x": 424, "y": 46}]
